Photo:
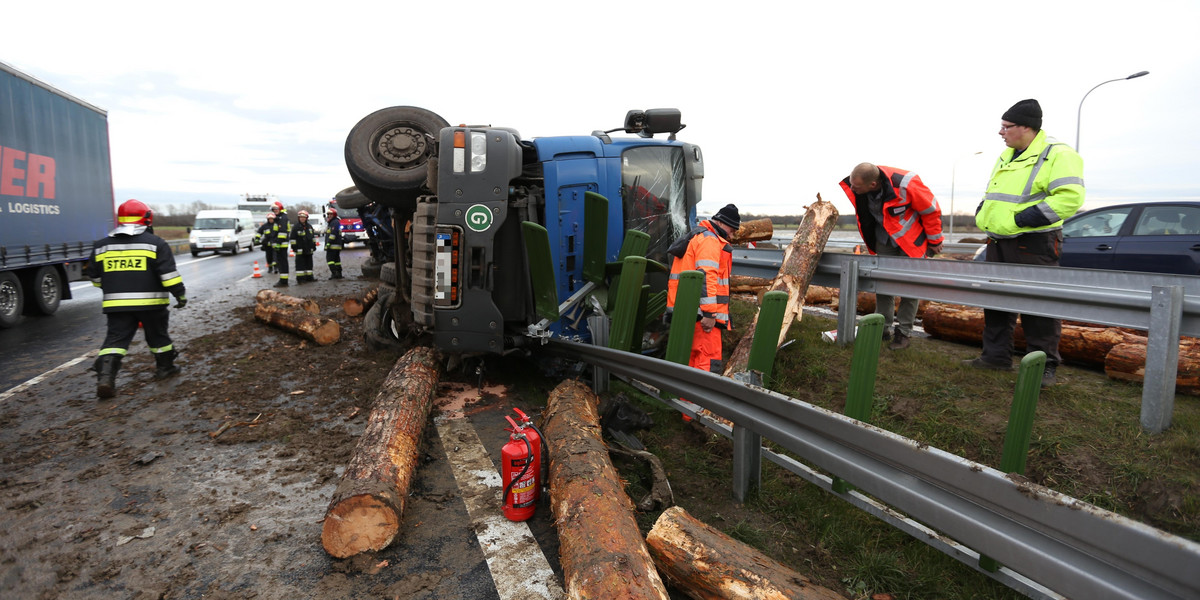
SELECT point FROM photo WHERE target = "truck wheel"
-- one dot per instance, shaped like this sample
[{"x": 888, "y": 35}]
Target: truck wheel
[
  {"x": 379, "y": 328},
  {"x": 47, "y": 290},
  {"x": 387, "y": 273},
  {"x": 387, "y": 152},
  {"x": 371, "y": 270},
  {"x": 235, "y": 249},
  {"x": 351, "y": 198},
  {"x": 12, "y": 300}
]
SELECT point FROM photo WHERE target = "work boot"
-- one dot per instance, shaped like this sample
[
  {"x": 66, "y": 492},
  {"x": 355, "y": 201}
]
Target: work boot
[
  {"x": 106, "y": 367},
  {"x": 979, "y": 363},
  {"x": 1048, "y": 377},
  {"x": 165, "y": 361},
  {"x": 281, "y": 283},
  {"x": 899, "y": 341}
]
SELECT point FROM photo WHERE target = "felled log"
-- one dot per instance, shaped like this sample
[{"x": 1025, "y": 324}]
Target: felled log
[
  {"x": 1086, "y": 345},
  {"x": 758, "y": 230},
  {"x": 702, "y": 562},
  {"x": 357, "y": 306},
  {"x": 818, "y": 294},
  {"x": 744, "y": 284},
  {"x": 304, "y": 304},
  {"x": 293, "y": 318},
  {"x": 795, "y": 273},
  {"x": 600, "y": 547},
  {"x": 364, "y": 514},
  {"x": 1128, "y": 362}
]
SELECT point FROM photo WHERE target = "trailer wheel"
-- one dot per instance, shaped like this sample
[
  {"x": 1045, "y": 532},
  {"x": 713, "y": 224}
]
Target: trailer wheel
[
  {"x": 47, "y": 290},
  {"x": 12, "y": 300},
  {"x": 351, "y": 198},
  {"x": 387, "y": 153}
]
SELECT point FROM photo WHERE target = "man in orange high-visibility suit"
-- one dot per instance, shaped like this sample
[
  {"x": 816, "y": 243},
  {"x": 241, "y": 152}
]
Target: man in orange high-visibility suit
[{"x": 706, "y": 249}]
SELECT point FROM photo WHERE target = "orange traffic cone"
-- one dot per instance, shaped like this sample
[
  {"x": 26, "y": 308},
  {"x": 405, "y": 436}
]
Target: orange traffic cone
[
  {"x": 256, "y": 274},
  {"x": 291, "y": 254}
]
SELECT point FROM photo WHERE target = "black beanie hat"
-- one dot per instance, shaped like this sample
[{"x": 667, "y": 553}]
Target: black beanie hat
[
  {"x": 1025, "y": 112},
  {"x": 728, "y": 216}
]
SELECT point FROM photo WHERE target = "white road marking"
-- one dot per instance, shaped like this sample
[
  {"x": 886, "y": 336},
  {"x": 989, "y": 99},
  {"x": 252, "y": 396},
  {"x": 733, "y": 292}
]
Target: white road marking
[
  {"x": 518, "y": 566},
  {"x": 36, "y": 380}
]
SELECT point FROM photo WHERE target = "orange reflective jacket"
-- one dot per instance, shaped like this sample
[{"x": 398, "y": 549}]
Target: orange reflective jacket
[
  {"x": 710, "y": 254},
  {"x": 911, "y": 214}
]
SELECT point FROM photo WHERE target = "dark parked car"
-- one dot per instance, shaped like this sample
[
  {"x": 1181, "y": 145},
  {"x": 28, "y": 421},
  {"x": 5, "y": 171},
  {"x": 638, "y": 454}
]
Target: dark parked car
[{"x": 1159, "y": 237}]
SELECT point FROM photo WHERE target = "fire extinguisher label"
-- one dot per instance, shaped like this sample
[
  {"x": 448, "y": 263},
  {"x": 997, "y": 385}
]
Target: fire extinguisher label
[{"x": 522, "y": 491}]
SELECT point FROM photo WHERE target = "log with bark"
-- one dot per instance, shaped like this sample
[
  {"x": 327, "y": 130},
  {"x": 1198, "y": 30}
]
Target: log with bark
[
  {"x": 799, "y": 264},
  {"x": 304, "y": 304},
  {"x": 364, "y": 514},
  {"x": 702, "y": 562},
  {"x": 600, "y": 547},
  {"x": 289, "y": 314},
  {"x": 758, "y": 230},
  {"x": 357, "y": 306},
  {"x": 745, "y": 284},
  {"x": 1128, "y": 362}
]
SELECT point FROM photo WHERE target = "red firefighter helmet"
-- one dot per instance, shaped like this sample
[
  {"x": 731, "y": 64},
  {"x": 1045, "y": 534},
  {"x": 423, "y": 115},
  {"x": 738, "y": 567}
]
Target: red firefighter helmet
[
  {"x": 302, "y": 213},
  {"x": 279, "y": 205},
  {"x": 332, "y": 212},
  {"x": 134, "y": 212}
]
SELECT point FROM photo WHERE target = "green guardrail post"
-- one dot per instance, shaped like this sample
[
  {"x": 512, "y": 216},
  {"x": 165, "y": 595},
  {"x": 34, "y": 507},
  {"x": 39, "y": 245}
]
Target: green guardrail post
[
  {"x": 629, "y": 295},
  {"x": 863, "y": 366},
  {"x": 595, "y": 236},
  {"x": 1020, "y": 425},
  {"x": 766, "y": 333},
  {"x": 683, "y": 319},
  {"x": 541, "y": 270}
]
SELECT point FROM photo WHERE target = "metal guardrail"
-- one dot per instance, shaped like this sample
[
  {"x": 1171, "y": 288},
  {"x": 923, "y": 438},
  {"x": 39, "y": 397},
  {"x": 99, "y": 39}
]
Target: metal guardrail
[
  {"x": 1163, "y": 305},
  {"x": 1068, "y": 546}
]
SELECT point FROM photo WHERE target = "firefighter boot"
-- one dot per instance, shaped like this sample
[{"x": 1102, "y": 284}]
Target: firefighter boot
[
  {"x": 165, "y": 361},
  {"x": 281, "y": 283},
  {"x": 106, "y": 367}
]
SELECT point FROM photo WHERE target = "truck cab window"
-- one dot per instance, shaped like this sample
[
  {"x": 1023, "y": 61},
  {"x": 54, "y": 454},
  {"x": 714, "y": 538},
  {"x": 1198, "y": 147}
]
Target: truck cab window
[{"x": 652, "y": 194}]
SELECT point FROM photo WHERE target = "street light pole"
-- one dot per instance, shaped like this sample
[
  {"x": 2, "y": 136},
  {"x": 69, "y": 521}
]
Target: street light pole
[
  {"x": 952, "y": 173},
  {"x": 1079, "y": 114}
]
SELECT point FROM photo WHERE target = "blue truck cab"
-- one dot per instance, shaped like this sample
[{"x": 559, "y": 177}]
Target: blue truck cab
[{"x": 471, "y": 286}]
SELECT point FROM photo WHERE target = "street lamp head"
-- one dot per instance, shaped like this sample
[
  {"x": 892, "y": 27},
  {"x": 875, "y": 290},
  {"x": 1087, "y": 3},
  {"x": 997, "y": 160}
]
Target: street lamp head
[{"x": 1138, "y": 74}]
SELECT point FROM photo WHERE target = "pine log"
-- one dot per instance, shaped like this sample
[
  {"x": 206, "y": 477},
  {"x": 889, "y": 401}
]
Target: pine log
[
  {"x": 744, "y": 284},
  {"x": 357, "y": 306},
  {"x": 758, "y": 230},
  {"x": 600, "y": 547},
  {"x": 702, "y": 562},
  {"x": 818, "y": 294},
  {"x": 364, "y": 514},
  {"x": 799, "y": 264},
  {"x": 1128, "y": 362},
  {"x": 304, "y": 304},
  {"x": 289, "y": 317}
]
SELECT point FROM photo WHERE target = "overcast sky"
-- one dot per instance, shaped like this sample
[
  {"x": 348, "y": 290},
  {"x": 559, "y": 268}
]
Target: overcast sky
[{"x": 210, "y": 100}]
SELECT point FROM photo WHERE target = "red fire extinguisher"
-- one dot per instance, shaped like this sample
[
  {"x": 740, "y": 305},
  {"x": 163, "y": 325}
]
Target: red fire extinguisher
[
  {"x": 535, "y": 441},
  {"x": 519, "y": 474}
]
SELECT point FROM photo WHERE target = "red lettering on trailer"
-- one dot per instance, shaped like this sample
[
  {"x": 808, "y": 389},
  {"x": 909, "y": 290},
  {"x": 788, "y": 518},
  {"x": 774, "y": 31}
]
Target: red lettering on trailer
[{"x": 37, "y": 176}]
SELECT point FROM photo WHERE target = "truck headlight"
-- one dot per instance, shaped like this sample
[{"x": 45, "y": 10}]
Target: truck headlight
[{"x": 478, "y": 152}]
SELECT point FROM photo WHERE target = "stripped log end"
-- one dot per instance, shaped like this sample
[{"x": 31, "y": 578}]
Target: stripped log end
[{"x": 359, "y": 524}]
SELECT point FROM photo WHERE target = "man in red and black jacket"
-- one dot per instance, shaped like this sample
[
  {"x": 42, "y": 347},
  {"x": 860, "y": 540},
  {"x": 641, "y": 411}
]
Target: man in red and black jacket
[{"x": 897, "y": 216}]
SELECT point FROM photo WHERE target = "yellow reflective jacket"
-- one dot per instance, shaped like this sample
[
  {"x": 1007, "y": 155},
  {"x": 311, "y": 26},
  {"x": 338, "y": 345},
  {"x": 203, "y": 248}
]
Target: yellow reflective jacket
[{"x": 1034, "y": 192}]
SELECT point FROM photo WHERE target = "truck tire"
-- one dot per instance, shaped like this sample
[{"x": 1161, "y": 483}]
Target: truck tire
[
  {"x": 235, "y": 248},
  {"x": 379, "y": 328},
  {"x": 46, "y": 291},
  {"x": 387, "y": 153},
  {"x": 387, "y": 273},
  {"x": 12, "y": 300},
  {"x": 351, "y": 198}
]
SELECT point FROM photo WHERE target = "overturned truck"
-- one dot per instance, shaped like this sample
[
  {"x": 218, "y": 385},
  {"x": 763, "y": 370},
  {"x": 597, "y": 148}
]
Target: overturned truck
[{"x": 500, "y": 241}]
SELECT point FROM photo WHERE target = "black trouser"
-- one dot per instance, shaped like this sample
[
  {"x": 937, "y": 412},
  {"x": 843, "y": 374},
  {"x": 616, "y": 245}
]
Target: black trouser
[
  {"x": 123, "y": 325},
  {"x": 1041, "y": 333},
  {"x": 270, "y": 250},
  {"x": 334, "y": 259},
  {"x": 304, "y": 264},
  {"x": 281, "y": 261}
]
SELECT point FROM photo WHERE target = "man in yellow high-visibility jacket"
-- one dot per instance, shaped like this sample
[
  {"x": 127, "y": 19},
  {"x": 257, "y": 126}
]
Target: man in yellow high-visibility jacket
[{"x": 1036, "y": 183}]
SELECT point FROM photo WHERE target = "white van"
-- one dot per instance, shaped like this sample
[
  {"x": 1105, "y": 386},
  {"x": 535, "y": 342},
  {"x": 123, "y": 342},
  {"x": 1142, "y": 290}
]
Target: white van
[{"x": 222, "y": 231}]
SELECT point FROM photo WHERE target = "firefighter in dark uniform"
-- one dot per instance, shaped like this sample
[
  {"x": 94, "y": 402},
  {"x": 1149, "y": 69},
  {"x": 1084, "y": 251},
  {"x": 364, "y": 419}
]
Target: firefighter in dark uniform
[
  {"x": 263, "y": 236},
  {"x": 333, "y": 245},
  {"x": 282, "y": 233},
  {"x": 304, "y": 244},
  {"x": 136, "y": 271}
]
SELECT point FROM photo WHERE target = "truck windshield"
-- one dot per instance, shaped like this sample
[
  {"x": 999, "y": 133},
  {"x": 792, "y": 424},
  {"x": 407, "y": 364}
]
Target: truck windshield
[
  {"x": 210, "y": 223},
  {"x": 652, "y": 193}
]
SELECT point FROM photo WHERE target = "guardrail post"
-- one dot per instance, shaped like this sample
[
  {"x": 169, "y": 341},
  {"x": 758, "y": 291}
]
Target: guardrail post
[
  {"x": 1162, "y": 357},
  {"x": 598, "y": 326},
  {"x": 1020, "y": 425},
  {"x": 766, "y": 333},
  {"x": 747, "y": 462},
  {"x": 847, "y": 302},
  {"x": 863, "y": 367},
  {"x": 683, "y": 318},
  {"x": 629, "y": 295}
]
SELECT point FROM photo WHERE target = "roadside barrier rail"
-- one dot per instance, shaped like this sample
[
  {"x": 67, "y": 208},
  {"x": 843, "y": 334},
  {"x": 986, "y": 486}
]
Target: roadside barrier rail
[
  {"x": 1165, "y": 306},
  {"x": 1066, "y": 545}
]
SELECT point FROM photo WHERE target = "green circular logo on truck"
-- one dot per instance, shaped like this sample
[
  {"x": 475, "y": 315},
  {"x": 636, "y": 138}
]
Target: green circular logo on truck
[{"x": 479, "y": 218}]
